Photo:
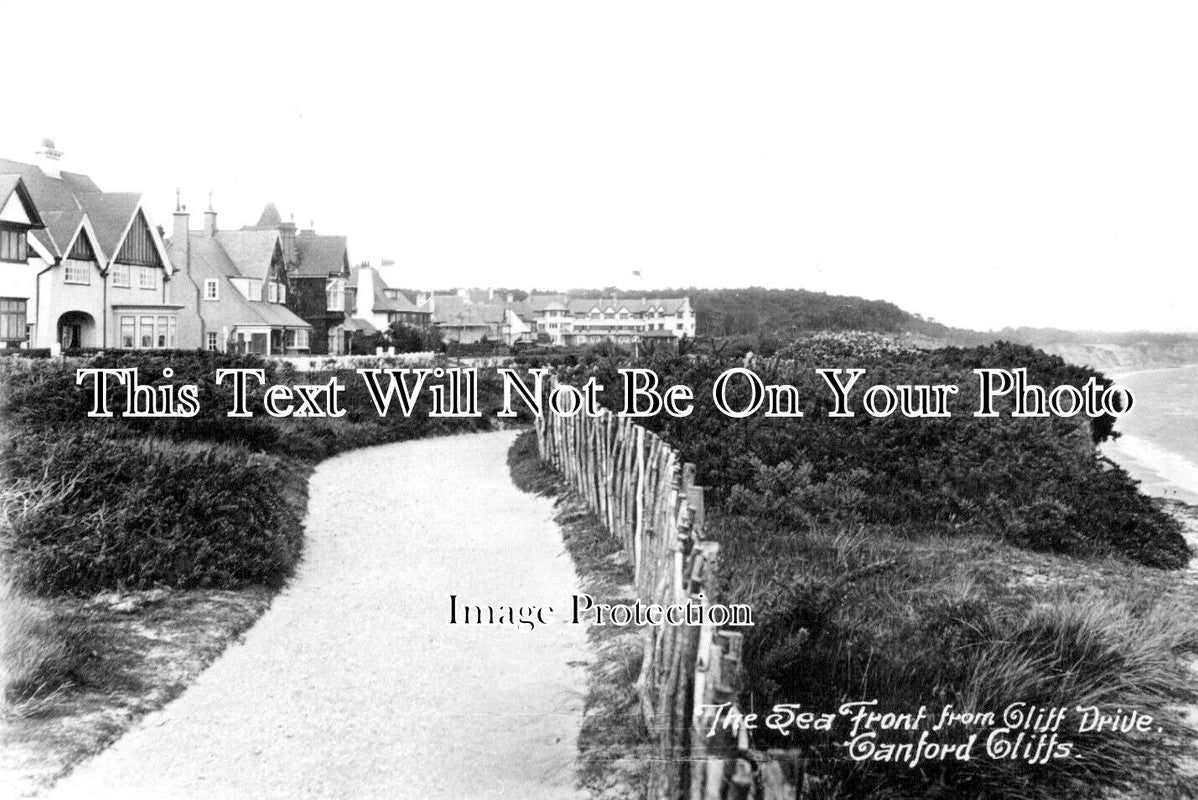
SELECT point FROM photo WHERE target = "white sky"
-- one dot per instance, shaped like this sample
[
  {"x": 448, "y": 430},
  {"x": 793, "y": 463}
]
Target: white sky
[{"x": 1013, "y": 163}]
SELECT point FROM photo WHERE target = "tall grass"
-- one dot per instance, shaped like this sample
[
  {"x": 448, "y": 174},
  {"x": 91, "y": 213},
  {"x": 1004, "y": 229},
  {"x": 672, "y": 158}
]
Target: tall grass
[
  {"x": 39, "y": 652},
  {"x": 857, "y": 614}
]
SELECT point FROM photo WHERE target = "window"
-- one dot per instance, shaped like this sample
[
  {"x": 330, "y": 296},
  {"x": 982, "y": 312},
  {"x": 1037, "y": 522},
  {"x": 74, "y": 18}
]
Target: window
[
  {"x": 120, "y": 275},
  {"x": 14, "y": 245},
  {"x": 211, "y": 292},
  {"x": 273, "y": 292},
  {"x": 212, "y": 342},
  {"x": 149, "y": 332},
  {"x": 12, "y": 319},
  {"x": 77, "y": 272},
  {"x": 255, "y": 290},
  {"x": 282, "y": 293},
  {"x": 335, "y": 294},
  {"x": 127, "y": 332},
  {"x": 297, "y": 339},
  {"x": 147, "y": 278}
]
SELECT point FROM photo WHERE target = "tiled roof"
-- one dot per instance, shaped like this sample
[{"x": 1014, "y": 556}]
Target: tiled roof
[
  {"x": 456, "y": 311},
  {"x": 110, "y": 214},
  {"x": 579, "y": 306},
  {"x": 209, "y": 260},
  {"x": 251, "y": 251},
  {"x": 359, "y": 324},
  {"x": 320, "y": 256},
  {"x": 270, "y": 219},
  {"x": 543, "y": 302},
  {"x": 63, "y": 201}
]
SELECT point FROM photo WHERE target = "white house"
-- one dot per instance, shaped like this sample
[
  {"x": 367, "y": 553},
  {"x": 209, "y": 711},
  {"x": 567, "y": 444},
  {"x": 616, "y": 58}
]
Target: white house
[
  {"x": 102, "y": 271},
  {"x": 18, "y": 261}
]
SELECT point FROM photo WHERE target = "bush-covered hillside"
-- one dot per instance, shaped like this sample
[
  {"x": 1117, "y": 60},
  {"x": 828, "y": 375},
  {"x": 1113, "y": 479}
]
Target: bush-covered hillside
[{"x": 1038, "y": 483}]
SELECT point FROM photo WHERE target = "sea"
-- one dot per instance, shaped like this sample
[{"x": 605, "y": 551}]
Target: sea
[{"x": 1159, "y": 442}]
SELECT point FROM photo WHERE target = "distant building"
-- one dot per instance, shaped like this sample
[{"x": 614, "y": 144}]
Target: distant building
[
  {"x": 376, "y": 306},
  {"x": 468, "y": 316},
  {"x": 237, "y": 283},
  {"x": 102, "y": 271},
  {"x": 317, "y": 269},
  {"x": 562, "y": 320}
]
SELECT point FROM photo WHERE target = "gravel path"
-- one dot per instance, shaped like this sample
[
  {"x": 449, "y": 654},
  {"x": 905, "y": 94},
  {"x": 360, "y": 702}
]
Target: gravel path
[{"x": 353, "y": 684}]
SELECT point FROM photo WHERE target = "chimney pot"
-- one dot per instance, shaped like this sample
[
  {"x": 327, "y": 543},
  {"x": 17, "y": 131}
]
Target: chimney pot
[
  {"x": 47, "y": 159},
  {"x": 210, "y": 220},
  {"x": 180, "y": 233},
  {"x": 287, "y": 241}
]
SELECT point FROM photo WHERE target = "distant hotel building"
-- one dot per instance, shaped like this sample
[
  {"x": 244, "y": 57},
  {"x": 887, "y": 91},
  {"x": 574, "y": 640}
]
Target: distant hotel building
[{"x": 557, "y": 319}]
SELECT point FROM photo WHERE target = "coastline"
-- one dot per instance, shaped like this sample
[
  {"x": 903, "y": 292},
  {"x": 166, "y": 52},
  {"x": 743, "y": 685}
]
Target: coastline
[
  {"x": 1118, "y": 376},
  {"x": 1163, "y": 470}
]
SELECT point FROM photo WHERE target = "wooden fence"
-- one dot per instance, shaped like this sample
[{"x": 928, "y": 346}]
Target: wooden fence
[{"x": 645, "y": 494}]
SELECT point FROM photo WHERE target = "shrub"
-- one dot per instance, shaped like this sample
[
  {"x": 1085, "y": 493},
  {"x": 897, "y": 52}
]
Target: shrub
[
  {"x": 1038, "y": 483},
  {"x": 125, "y": 513}
]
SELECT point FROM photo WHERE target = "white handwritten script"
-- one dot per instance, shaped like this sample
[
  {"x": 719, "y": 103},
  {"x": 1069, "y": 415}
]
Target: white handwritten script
[{"x": 1019, "y": 732}]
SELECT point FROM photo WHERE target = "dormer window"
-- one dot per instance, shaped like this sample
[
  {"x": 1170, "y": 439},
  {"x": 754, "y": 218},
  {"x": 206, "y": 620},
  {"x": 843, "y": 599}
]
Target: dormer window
[{"x": 146, "y": 279}]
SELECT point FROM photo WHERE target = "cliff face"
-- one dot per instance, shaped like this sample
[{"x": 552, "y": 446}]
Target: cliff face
[{"x": 1127, "y": 356}]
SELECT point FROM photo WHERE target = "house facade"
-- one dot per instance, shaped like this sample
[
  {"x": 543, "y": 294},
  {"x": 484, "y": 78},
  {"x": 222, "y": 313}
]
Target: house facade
[
  {"x": 237, "y": 283},
  {"x": 102, "y": 271},
  {"x": 18, "y": 270}
]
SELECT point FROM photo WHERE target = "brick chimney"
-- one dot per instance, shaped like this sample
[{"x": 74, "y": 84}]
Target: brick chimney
[
  {"x": 210, "y": 219},
  {"x": 287, "y": 240},
  {"x": 180, "y": 232}
]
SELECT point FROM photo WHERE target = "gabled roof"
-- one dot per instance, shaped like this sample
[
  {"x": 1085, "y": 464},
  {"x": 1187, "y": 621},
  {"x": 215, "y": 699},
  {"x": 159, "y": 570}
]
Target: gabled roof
[
  {"x": 210, "y": 261},
  {"x": 320, "y": 256},
  {"x": 63, "y": 201},
  {"x": 110, "y": 213},
  {"x": 270, "y": 218},
  {"x": 14, "y": 184},
  {"x": 252, "y": 251},
  {"x": 55, "y": 201}
]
